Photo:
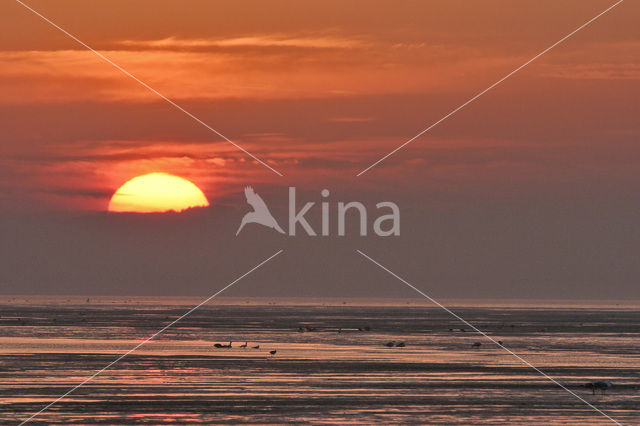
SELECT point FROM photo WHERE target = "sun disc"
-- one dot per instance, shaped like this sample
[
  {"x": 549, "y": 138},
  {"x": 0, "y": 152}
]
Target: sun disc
[{"x": 156, "y": 193}]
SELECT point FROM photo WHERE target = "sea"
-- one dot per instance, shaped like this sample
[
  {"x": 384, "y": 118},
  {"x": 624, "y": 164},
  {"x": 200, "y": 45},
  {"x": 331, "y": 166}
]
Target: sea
[{"x": 334, "y": 361}]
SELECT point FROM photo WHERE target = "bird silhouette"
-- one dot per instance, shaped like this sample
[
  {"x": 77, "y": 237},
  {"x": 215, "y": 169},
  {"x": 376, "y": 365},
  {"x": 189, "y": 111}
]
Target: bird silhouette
[
  {"x": 273, "y": 352},
  {"x": 260, "y": 213},
  {"x": 256, "y": 347},
  {"x": 603, "y": 385},
  {"x": 245, "y": 345}
]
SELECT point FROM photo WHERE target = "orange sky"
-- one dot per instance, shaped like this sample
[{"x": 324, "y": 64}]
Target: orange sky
[
  {"x": 531, "y": 191},
  {"x": 315, "y": 89}
]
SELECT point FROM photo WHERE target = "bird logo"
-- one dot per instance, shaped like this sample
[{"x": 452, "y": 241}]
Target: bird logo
[{"x": 260, "y": 213}]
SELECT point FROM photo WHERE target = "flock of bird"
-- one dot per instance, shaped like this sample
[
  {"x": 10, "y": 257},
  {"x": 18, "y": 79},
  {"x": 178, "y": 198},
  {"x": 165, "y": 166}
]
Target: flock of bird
[
  {"x": 601, "y": 385},
  {"x": 393, "y": 344},
  {"x": 244, "y": 346}
]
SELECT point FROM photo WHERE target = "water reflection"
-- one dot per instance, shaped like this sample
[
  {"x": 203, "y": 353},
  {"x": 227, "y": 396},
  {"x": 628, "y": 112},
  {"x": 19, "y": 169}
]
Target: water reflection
[{"x": 331, "y": 372}]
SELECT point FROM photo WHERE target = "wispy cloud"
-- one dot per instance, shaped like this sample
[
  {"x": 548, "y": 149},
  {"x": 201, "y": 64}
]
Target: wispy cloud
[
  {"x": 77, "y": 75},
  {"x": 350, "y": 119},
  {"x": 593, "y": 72},
  {"x": 259, "y": 40}
]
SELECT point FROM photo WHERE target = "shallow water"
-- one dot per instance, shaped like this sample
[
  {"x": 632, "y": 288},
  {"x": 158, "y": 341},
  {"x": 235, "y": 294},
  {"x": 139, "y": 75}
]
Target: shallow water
[{"x": 335, "y": 374}]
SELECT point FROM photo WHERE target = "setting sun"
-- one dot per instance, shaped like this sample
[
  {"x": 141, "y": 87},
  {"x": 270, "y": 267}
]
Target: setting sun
[{"x": 157, "y": 192}]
